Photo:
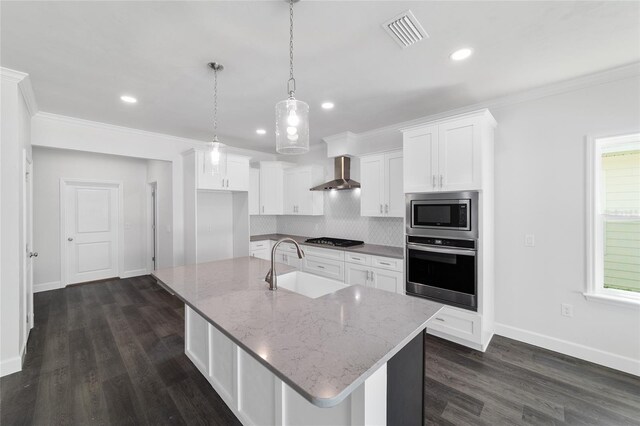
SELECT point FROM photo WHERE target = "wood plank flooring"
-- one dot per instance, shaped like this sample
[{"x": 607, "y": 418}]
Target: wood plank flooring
[{"x": 113, "y": 353}]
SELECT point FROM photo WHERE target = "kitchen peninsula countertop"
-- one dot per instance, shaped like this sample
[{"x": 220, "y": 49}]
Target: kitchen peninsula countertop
[
  {"x": 373, "y": 249},
  {"x": 323, "y": 348}
]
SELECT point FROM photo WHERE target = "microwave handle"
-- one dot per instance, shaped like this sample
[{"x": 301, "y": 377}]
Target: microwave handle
[{"x": 441, "y": 250}]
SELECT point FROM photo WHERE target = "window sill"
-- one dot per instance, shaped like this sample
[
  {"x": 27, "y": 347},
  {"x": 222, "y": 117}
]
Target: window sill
[{"x": 629, "y": 302}]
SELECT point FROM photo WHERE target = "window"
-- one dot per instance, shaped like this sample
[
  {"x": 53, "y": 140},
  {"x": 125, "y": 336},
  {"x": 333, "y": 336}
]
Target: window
[{"x": 614, "y": 218}]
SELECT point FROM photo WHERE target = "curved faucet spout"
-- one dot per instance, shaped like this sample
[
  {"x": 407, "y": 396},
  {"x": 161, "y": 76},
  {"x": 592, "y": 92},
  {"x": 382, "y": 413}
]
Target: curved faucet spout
[{"x": 272, "y": 277}]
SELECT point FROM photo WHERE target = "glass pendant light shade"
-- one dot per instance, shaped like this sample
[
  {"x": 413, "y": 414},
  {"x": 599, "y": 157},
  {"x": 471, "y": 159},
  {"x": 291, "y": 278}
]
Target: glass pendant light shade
[
  {"x": 292, "y": 127},
  {"x": 216, "y": 157}
]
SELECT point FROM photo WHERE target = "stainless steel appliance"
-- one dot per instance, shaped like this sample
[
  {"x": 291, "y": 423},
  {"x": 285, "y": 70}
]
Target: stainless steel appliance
[
  {"x": 441, "y": 250},
  {"x": 334, "y": 242},
  {"x": 445, "y": 214}
]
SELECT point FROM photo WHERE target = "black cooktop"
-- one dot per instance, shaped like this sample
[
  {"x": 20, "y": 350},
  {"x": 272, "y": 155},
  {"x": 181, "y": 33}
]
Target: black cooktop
[{"x": 335, "y": 242}]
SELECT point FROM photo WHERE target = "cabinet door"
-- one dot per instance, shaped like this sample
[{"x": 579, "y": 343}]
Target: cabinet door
[
  {"x": 304, "y": 201},
  {"x": 254, "y": 191},
  {"x": 420, "y": 153},
  {"x": 206, "y": 178},
  {"x": 290, "y": 194},
  {"x": 388, "y": 280},
  {"x": 459, "y": 155},
  {"x": 237, "y": 173},
  {"x": 372, "y": 180},
  {"x": 394, "y": 195},
  {"x": 271, "y": 192},
  {"x": 356, "y": 274}
]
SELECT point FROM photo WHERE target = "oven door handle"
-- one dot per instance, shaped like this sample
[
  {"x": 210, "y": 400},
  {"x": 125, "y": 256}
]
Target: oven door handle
[{"x": 441, "y": 250}]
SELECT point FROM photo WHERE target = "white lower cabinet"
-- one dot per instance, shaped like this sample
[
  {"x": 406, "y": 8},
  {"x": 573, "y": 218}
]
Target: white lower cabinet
[
  {"x": 455, "y": 323},
  {"x": 258, "y": 397},
  {"x": 329, "y": 268},
  {"x": 384, "y": 273}
]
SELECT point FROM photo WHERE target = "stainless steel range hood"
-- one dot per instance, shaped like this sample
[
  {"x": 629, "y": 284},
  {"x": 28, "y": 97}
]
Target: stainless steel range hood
[{"x": 342, "y": 177}]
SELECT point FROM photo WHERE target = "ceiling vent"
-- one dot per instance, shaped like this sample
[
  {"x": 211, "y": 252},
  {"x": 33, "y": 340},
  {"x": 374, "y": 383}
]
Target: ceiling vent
[{"x": 405, "y": 29}]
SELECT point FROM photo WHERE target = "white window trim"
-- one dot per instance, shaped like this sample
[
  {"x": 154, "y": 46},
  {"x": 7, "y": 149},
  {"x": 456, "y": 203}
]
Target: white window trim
[{"x": 595, "y": 291}]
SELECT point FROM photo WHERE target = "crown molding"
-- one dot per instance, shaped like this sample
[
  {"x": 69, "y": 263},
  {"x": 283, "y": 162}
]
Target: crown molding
[
  {"x": 590, "y": 80},
  {"x": 24, "y": 83}
]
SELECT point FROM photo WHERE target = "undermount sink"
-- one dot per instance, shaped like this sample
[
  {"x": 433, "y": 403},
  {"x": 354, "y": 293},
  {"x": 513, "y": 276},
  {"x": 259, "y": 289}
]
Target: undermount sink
[{"x": 308, "y": 285}]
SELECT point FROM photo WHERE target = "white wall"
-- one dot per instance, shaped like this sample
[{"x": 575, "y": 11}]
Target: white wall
[
  {"x": 50, "y": 165},
  {"x": 57, "y": 131},
  {"x": 161, "y": 173},
  {"x": 540, "y": 189},
  {"x": 15, "y": 137}
]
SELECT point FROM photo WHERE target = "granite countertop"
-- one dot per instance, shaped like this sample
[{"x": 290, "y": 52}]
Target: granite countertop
[
  {"x": 374, "y": 249},
  {"x": 323, "y": 348}
]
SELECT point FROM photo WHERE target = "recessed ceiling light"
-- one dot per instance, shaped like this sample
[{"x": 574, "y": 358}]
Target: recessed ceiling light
[
  {"x": 327, "y": 105},
  {"x": 128, "y": 99},
  {"x": 461, "y": 54},
  {"x": 261, "y": 131}
]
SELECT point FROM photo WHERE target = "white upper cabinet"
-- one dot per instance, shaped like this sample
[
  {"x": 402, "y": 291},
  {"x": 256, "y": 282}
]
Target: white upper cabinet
[
  {"x": 254, "y": 191},
  {"x": 449, "y": 155},
  {"x": 271, "y": 187},
  {"x": 236, "y": 178},
  {"x": 298, "y": 199},
  {"x": 381, "y": 177}
]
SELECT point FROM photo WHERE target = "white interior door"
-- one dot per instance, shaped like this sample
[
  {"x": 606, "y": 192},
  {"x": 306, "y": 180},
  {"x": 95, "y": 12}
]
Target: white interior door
[
  {"x": 91, "y": 225},
  {"x": 28, "y": 238}
]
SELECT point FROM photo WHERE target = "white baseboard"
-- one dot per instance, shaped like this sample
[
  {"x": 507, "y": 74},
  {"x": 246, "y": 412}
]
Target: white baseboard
[
  {"x": 134, "y": 273},
  {"x": 53, "y": 285},
  {"x": 597, "y": 356},
  {"x": 11, "y": 365}
]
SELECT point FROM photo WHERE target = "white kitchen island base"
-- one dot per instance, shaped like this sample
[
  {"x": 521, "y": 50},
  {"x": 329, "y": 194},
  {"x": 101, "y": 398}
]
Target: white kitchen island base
[{"x": 257, "y": 397}]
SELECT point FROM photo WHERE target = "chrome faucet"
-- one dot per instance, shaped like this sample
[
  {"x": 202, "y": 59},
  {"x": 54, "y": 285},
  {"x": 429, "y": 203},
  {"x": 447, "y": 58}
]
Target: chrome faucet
[{"x": 271, "y": 277}]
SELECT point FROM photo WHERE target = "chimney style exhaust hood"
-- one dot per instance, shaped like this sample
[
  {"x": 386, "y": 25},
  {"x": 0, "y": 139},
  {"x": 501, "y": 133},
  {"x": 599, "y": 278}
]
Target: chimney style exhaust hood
[{"x": 342, "y": 177}]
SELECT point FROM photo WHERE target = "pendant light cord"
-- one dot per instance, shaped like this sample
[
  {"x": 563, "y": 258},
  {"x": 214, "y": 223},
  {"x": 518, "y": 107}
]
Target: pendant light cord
[
  {"x": 215, "y": 105},
  {"x": 291, "y": 84}
]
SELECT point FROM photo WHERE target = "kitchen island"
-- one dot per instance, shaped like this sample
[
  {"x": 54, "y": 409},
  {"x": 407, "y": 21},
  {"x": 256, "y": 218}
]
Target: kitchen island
[{"x": 353, "y": 356}]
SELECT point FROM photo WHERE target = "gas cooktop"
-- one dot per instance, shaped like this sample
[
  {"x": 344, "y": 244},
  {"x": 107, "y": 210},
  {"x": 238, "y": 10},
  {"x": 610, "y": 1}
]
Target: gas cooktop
[{"x": 335, "y": 242}]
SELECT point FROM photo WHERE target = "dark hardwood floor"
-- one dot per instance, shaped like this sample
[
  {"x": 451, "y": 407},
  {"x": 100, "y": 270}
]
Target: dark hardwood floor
[{"x": 112, "y": 353}]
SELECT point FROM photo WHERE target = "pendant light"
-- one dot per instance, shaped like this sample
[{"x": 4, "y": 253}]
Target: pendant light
[
  {"x": 216, "y": 150},
  {"x": 292, "y": 115}
]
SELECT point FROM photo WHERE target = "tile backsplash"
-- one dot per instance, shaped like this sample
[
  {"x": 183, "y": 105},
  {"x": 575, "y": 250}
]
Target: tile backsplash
[{"x": 341, "y": 220}]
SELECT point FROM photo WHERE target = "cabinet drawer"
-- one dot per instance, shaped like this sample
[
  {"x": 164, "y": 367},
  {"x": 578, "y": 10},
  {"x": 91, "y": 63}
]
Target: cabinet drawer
[
  {"x": 329, "y": 268},
  {"x": 387, "y": 263},
  {"x": 257, "y": 245},
  {"x": 360, "y": 259},
  {"x": 261, "y": 254},
  {"x": 324, "y": 253},
  {"x": 465, "y": 325}
]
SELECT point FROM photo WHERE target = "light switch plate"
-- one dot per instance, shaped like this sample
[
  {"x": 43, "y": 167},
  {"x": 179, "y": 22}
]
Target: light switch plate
[{"x": 529, "y": 240}]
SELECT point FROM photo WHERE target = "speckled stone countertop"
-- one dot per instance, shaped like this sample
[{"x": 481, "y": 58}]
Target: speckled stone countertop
[
  {"x": 374, "y": 249},
  {"x": 323, "y": 348}
]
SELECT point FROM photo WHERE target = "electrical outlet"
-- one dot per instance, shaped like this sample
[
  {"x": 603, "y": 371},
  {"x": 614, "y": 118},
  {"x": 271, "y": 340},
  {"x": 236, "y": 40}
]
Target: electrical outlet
[
  {"x": 567, "y": 310},
  {"x": 529, "y": 240}
]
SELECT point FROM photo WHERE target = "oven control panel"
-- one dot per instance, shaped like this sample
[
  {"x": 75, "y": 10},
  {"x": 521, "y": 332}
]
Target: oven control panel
[{"x": 444, "y": 242}]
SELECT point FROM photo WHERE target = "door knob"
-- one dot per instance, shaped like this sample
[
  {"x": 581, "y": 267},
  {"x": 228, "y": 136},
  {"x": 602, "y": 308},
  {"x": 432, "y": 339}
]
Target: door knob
[
  {"x": 33, "y": 254},
  {"x": 70, "y": 239}
]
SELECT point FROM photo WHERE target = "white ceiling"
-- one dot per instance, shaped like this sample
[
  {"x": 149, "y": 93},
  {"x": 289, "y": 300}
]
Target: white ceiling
[{"x": 83, "y": 55}]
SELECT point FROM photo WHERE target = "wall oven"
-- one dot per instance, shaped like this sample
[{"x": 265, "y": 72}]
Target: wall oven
[{"x": 441, "y": 247}]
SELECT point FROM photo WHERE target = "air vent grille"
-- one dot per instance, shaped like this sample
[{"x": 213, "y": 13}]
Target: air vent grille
[{"x": 405, "y": 29}]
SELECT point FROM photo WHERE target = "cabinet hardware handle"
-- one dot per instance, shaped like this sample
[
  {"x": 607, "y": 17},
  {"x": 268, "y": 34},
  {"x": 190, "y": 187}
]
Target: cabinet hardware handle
[
  {"x": 262, "y": 209},
  {"x": 385, "y": 263},
  {"x": 320, "y": 267},
  {"x": 440, "y": 319},
  {"x": 223, "y": 183},
  {"x": 440, "y": 181},
  {"x": 433, "y": 180},
  {"x": 355, "y": 258},
  {"x": 368, "y": 275},
  {"x": 386, "y": 208},
  {"x": 70, "y": 239},
  {"x": 380, "y": 208}
]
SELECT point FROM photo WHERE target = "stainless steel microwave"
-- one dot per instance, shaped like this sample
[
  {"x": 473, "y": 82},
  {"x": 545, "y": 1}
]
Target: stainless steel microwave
[{"x": 446, "y": 214}]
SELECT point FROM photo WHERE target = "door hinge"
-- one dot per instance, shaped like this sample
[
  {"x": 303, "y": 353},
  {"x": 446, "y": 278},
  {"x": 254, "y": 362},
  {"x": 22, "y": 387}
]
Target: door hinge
[{"x": 153, "y": 258}]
